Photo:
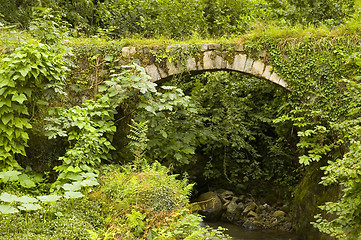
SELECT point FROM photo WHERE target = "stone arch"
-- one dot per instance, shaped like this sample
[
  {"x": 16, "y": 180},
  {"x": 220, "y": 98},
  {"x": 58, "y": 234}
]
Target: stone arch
[{"x": 208, "y": 57}]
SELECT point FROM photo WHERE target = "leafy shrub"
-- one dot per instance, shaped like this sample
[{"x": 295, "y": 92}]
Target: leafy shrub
[{"x": 148, "y": 204}]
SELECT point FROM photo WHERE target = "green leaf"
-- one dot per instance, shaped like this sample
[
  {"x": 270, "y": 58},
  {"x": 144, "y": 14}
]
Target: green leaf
[
  {"x": 7, "y": 118},
  {"x": 20, "y": 98},
  {"x": 6, "y": 197},
  {"x": 26, "y": 199},
  {"x": 10, "y": 176},
  {"x": 25, "y": 181},
  {"x": 71, "y": 187},
  {"x": 71, "y": 195},
  {"x": 7, "y": 209},
  {"x": 49, "y": 198},
  {"x": 30, "y": 207}
]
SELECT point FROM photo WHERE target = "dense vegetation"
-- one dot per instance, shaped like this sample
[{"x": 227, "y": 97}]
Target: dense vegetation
[{"x": 58, "y": 150}]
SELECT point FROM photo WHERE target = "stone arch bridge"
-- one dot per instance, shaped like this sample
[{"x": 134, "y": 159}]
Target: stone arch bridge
[{"x": 162, "y": 62}]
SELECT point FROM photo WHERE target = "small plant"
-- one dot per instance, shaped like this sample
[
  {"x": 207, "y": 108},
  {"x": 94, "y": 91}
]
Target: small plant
[{"x": 138, "y": 143}]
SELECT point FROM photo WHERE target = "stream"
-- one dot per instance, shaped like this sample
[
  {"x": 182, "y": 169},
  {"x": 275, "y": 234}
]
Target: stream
[{"x": 239, "y": 233}]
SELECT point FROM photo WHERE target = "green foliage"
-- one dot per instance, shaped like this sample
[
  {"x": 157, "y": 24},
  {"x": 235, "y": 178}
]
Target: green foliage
[
  {"x": 29, "y": 69},
  {"x": 149, "y": 204},
  {"x": 345, "y": 171},
  {"x": 332, "y": 12},
  {"x": 233, "y": 128},
  {"x": 63, "y": 220},
  {"x": 47, "y": 26},
  {"x": 180, "y": 19},
  {"x": 138, "y": 143}
]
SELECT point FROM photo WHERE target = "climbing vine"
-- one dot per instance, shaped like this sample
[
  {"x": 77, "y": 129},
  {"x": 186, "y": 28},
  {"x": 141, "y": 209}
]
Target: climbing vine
[{"x": 28, "y": 70}]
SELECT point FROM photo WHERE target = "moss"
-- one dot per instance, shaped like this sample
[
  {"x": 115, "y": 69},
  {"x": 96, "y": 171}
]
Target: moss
[{"x": 309, "y": 194}]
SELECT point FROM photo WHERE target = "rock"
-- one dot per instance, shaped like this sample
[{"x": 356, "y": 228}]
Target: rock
[
  {"x": 211, "y": 206},
  {"x": 231, "y": 211},
  {"x": 288, "y": 226},
  {"x": 278, "y": 214},
  {"x": 252, "y": 225},
  {"x": 250, "y": 207},
  {"x": 265, "y": 207},
  {"x": 226, "y": 196},
  {"x": 252, "y": 214}
]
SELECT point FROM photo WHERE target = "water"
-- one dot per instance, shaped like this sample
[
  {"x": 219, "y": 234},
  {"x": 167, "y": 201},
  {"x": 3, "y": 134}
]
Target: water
[{"x": 238, "y": 233}]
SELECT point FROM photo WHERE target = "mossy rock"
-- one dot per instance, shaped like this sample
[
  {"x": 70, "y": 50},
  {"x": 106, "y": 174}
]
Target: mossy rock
[{"x": 309, "y": 194}]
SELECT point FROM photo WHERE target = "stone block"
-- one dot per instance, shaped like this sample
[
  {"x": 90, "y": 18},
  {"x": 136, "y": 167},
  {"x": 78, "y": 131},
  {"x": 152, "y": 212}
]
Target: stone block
[
  {"x": 275, "y": 78},
  {"x": 125, "y": 51},
  {"x": 191, "y": 64},
  {"x": 152, "y": 71},
  {"x": 267, "y": 72},
  {"x": 199, "y": 65},
  {"x": 220, "y": 63},
  {"x": 257, "y": 68},
  {"x": 132, "y": 51},
  {"x": 204, "y": 47},
  {"x": 239, "y": 62},
  {"x": 162, "y": 72},
  {"x": 214, "y": 46},
  {"x": 208, "y": 62},
  {"x": 238, "y": 48},
  {"x": 172, "y": 69},
  {"x": 249, "y": 64}
]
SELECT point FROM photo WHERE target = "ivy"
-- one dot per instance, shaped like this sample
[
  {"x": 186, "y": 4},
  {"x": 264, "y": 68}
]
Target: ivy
[{"x": 28, "y": 70}]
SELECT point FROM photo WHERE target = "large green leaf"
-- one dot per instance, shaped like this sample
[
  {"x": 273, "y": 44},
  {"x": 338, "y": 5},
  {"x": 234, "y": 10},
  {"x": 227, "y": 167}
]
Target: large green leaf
[
  {"x": 49, "y": 198},
  {"x": 6, "y": 197},
  {"x": 25, "y": 181},
  {"x": 30, "y": 207},
  {"x": 10, "y": 176},
  {"x": 70, "y": 195},
  {"x": 71, "y": 187},
  {"x": 20, "y": 98},
  {"x": 26, "y": 199},
  {"x": 7, "y": 209}
]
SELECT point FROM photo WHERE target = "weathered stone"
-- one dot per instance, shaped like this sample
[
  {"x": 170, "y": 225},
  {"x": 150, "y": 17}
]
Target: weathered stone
[
  {"x": 220, "y": 62},
  {"x": 214, "y": 46},
  {"x": 172, "y": 69},
  {"x": 267, "y": 72},
  {"x": 238, "y": 48},
  {"x": 211, "y": 206},
  {"x": 257, "y": 68},
  {"x": 208, "y": 62},
  {"x": 249, "y": 64},
  {"x": 204, "y": 47},
  {"x": 125, "y": 51},
  {"x": 278, "y": 214},
  {"x": 213, "y": 58},
  {"x": 191, "y": 64},
  {"x": 239, "y": 62},
  {"x": 283, "y": 83},
  {"x": 252, "y": 214},
  {"x": 162, "y": 73},
  {"x": 152, "y": 71},
  {"x": 231, "y": 212},
  {"x": 199, "y": 65},
  {"x": 262, "y": 54},
  {"x": 226, "y": 196},
  {"x": 132, "y": 51},
  {"x": 250, "y": 207},
  {"x": 276, "y": 79}
]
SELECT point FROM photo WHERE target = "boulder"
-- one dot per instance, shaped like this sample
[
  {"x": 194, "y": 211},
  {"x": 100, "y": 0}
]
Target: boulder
[
  {"x": 231, "y": 211},
  {"x": 250, "y": 207},
  {"x": 211, "y": 206},
  {"x": 278, "y": 214}
]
